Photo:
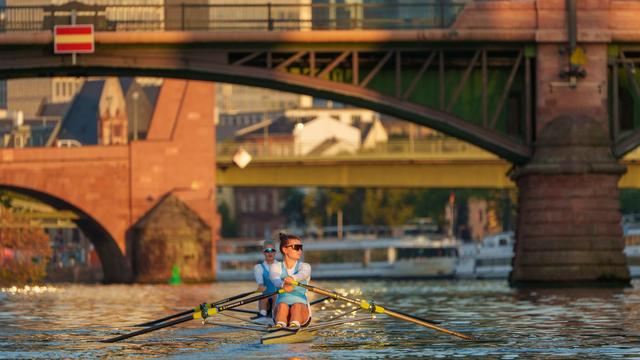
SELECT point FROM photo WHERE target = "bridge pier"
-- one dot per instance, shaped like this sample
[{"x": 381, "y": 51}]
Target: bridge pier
[{"x": 569, "y": 210}]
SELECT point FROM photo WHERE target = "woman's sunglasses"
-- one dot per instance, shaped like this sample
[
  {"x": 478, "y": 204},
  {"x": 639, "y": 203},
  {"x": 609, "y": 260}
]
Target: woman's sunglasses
[
  {"x": 297, "y": 247},
  {"x": 270, "y": 250}
]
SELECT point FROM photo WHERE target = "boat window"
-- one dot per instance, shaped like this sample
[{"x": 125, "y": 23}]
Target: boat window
[
  {"x": 493, "y": 262},
  {"x": 412, "y": 253},
  {"x": 632, "y": 240},
  {"x": 503, "y": 242}
]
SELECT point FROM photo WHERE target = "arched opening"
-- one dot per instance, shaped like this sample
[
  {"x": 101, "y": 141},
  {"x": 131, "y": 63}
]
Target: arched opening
[{"x": 115, "y": 268}]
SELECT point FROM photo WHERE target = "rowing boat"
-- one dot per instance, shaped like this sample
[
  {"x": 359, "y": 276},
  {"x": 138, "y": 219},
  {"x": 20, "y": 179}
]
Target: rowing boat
[
  {"x": 272, "y": 335},
  {"x": 213, "y": 313}
]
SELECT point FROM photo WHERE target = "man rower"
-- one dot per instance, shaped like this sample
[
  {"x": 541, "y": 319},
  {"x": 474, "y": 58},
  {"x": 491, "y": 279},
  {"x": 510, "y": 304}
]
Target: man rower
[
  {"x": 261, "y": 273},
  {"x": 292, "y": 307}
]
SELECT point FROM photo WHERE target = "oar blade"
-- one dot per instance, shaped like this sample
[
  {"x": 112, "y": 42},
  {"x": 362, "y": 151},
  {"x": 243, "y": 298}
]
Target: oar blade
[{"x": 427, "y": 324}]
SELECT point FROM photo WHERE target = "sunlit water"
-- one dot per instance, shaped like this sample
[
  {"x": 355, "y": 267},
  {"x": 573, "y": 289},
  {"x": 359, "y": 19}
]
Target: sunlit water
[{"x": 67, "y": 321}]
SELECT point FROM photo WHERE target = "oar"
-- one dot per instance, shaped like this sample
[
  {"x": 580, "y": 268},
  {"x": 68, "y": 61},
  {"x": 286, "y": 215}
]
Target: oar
[
  {"x": 154, "y": 322},
  {"x": 201, "y": 314},
  {"x": 381, "y": 310}
]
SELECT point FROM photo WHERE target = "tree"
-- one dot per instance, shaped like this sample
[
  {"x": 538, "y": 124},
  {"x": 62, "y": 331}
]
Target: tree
[
  {"x": 629, "y": 201},
  {"x": 229, "y": 227},
  {"x": 314, "y": 204},
  {"x": 391, "y": 207},
  {"x": 27, "y": 247},
  {"x": 293, "y": 208}
]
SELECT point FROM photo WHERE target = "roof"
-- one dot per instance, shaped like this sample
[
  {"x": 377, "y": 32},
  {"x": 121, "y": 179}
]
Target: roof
[
  {"x": 152, "y": 92},
  {"x": 171, "y": 207},
  {"x": 365, "y": 129},
  {"x": 279, "y": 126},
  {"x": 125, "y": 83},
  {"x": 58, "y": 109},
  {"x": 323, "y": 146},
  {"x": 81, "y": 121}
]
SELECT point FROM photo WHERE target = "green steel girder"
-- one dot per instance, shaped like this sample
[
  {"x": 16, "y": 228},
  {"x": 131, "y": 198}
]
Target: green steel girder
[
  {"x": 480, "y": 94},
  {"x": 624, "y": 97}
]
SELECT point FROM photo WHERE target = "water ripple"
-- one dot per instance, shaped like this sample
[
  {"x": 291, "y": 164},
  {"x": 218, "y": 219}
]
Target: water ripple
[{"x": 67, "y": 321}]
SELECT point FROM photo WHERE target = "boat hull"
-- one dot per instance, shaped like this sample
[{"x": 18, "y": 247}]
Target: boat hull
[{"x": 286, "y": 336}]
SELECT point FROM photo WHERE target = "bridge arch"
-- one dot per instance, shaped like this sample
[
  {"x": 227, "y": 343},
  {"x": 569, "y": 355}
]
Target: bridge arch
[
  {"x": 175, "y": 63},
  {"x": 115, "y": 267}
]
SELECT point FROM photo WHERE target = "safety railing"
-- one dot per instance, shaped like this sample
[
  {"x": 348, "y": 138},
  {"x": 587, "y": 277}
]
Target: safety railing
[
  {"x": 439, "y": 148},
  {"x": 155, "y": 15}
]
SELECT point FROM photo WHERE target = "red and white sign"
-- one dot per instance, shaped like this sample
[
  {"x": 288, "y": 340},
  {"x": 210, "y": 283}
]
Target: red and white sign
[{"x": 68, "y": 39}]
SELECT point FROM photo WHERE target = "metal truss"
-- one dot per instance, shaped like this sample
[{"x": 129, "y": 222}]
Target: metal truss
[
  {"x": 624, "y": 95},
  {"x": 359, "y": 68}
]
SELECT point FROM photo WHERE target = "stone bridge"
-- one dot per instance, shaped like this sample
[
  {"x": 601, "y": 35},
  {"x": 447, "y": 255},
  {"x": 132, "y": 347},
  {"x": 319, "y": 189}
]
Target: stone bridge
[
  {"x": 548, "y": 85},
  {"x": 113, "y": 187}
]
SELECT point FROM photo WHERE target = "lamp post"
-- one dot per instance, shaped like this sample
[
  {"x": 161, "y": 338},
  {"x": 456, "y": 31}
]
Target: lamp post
[{"x": 135, "y": 95}]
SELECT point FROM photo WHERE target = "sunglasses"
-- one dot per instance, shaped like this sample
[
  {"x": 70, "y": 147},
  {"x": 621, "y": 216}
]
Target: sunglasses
[
  {"x": 270, "y": 250},
  {"x": 297, "y": 247}
]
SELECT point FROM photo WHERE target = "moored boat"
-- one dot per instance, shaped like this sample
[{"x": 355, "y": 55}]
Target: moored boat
[{"x": 352, "y": 259}]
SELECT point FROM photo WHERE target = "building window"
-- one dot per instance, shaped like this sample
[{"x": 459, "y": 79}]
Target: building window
[
  {"x": 251, "y": 203},
  {"x": 243, "y": 204},
  {"x": 264, "y": 201}
]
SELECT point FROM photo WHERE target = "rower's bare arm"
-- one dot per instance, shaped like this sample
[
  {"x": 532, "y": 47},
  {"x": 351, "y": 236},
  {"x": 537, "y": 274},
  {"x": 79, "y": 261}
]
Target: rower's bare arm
[
  {"x": 304, "y": 273},
  {"x": 274, "y": 274}
]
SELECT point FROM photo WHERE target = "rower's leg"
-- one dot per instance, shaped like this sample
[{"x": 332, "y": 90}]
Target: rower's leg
[
  {"x": 282, "y": 313},
  {"x": 263, "y": 305},
  {"x": 299, "y": 313}
]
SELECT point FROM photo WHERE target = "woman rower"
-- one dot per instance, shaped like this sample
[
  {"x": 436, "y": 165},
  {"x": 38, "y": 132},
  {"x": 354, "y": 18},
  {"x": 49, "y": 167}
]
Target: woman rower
[{"x": 292, "y": 307}]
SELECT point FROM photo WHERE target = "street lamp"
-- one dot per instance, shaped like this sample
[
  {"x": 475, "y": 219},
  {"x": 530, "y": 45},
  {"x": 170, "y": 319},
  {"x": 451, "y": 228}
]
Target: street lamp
[{"x": 135, "y": 95}]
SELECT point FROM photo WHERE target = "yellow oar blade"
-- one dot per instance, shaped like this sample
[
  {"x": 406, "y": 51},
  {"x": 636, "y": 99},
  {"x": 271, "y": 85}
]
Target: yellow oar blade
[
  {"x": 381, "y": 310},
  {"x": 419, "y": 321}
]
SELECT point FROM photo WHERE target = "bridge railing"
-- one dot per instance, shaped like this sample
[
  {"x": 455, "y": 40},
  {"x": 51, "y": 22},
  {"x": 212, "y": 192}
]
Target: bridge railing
[
  {"x": 441, "y": 148},
  {"x": 233, "y": 16}
]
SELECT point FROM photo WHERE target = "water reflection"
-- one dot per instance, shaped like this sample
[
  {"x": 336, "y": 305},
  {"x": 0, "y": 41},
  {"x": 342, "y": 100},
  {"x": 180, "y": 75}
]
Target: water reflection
[{"x": 68, "y": 320}]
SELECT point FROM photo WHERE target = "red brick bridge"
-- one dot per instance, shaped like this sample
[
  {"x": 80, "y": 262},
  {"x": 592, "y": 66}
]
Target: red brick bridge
[{"x": 113, "y": 187}]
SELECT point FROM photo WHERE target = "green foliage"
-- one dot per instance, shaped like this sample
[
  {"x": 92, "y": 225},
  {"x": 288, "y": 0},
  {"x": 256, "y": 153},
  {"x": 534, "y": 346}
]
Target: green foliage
[
  {"x": 630, "y": 201},
  {"x": 293, "y": 208},
  {"x": 229, "y": 226},
  {"x": 314, "y": 205},
  {"x": 389, "y": 207},
  {"x": 30, "y": 248},
  {"x": 5, "y": 199}
]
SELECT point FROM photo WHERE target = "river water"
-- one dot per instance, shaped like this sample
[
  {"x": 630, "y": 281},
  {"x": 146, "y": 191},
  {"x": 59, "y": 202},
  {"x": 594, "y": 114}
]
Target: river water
[{"x": 66, "y": 321}]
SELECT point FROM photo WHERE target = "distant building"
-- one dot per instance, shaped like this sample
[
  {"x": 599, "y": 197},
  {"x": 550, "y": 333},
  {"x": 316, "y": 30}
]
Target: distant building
[
  {"x": 29, "y": 95},
  {"x": 324, "y": 135},
  {"x": 236, "y": 99},
  {"x": 229, "y": 123},
  {"x": 258, "y": 212},
  {"x": 3, "y": 94},
  {"x": 106, "y": 111},
  {"x": 397, "y": 128},
  {"x": 141, "y": 95},
  {"x": 16, "y": 130}
]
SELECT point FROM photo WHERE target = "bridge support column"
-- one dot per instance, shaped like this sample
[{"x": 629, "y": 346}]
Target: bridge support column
[
  {"x": 569, "y": 209},
  {"x": 569, "y": 217}
]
